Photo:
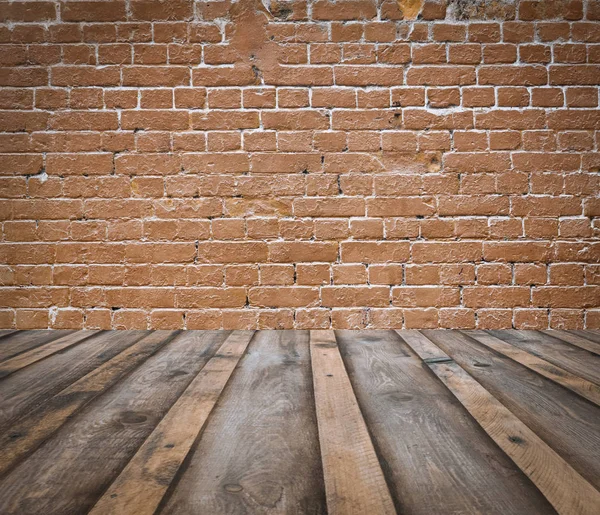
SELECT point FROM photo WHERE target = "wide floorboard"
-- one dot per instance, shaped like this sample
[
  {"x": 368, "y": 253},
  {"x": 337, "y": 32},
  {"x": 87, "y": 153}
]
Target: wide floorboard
[{"x": 299, "y": 422}]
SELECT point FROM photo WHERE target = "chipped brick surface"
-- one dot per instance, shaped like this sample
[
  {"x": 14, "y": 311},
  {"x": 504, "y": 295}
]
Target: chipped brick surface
[{"x": 220, "y": 164}]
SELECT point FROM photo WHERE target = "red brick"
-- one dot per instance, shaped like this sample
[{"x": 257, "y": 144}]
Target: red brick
[
  {"x": 279, "y": 296},
  {"x": 27, "y": 11},
  {"x": 348, "y": 296},
  {"x": 401, "y": 206},
  {"x": 495, "y": 296},
  {"x": 113, "y": 10},
  {"x": 290, "y": 252},
  {"x": 323, "y": 207},
  {"x": 210, "y": 297},
  {"x": 156, "y": 76},
  {"x": 139, "y": 146},
  {"x": 457, "y": 318},
  {"x": 348, "y": 10},
  {"x": 374, "y": 252},
  {"x": 440, "y": 76},
  {"x": 427, "y": 318},
  {"x": 229, "y": 252},
  {"x": 79, "y": 164},
  {"x": 424, "y": 296},
  {"x": 531, "y": 319},
  {"x": 85, "y": 76},
  {"x": 566, "y": 297},
  {"x": 153, "y": 11},
  {"x": 579, "y": 75},
  {"x": 513, "y": 75}
]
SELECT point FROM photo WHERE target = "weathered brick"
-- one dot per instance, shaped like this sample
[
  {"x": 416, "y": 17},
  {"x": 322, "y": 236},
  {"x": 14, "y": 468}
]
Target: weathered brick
[
  {"x": 278, "y": 296},
  {"x": 230, "y": 252},
  {"x": 326, "y": 167},
  {"x": 113, "y": 10},
  {"x": 374, "y": 252}
]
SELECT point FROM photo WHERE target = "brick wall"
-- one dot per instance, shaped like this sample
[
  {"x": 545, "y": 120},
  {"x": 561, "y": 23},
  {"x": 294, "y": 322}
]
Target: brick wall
[{"x": 299, "y": 164}]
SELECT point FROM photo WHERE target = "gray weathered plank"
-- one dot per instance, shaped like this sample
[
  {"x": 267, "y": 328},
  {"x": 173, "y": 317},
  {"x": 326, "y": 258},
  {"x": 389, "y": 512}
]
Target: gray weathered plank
[
  {"x": 425, "y": 437},
  {"x": 593, "y": 335},
  {"x": 26, "y": 389},
  {"x": 573, "y": 359},
  {"x": 586, "y": 389},
  {"x": 354, "y": 481},
  {"x": 36, "y": 354},
  {"x": 22, "y": 341},
  {"x": 259, "y": 452},
  {"x": 576, "y": 339},
  {"x": 144, "y": 481},
  {"x": 566, "y": 422},
  {"x": 25, "y": 435},
  {"x": 71, "y": 469}
]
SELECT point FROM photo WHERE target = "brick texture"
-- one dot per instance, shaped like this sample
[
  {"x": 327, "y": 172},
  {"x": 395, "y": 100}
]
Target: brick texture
[{"x": 299, "y": 164}]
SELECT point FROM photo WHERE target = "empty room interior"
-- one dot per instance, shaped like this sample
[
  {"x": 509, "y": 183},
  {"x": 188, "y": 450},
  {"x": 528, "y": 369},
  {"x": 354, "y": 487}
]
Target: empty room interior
[{"x": 299, "y": 257}]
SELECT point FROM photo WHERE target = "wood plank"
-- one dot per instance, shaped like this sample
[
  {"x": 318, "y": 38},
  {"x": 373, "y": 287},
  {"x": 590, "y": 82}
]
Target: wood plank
[
  {"x": 577, "y": 361},
  {"x": 23, "y": 437},
  {"x": 22, "y": 341},
  {"x": 576, "y": 339},
  {"x": 421, "y": 345},
  {"x": 565, "y": 421},
  {"x": 354, "y": 481},
  {"x": 6, "y": 332},
  {"x": 566, "y": 490},
  {"x": 425, "y": 437},
  {"x": 43, "y": 351},
  {"x": 259, "y": 452},
  {"x": 144, "y": 481},
  {"x": 586, "y": 389},
  {"x": 27, "y": 389},
  {"x": 593, "y": 335},
  {"x": 72, "y": 469}
]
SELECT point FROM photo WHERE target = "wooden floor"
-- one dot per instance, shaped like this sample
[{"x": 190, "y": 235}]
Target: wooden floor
[{"x": 299, "y": 422}]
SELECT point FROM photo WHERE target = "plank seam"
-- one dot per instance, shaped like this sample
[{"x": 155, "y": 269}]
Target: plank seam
[
  {"x": 587, "y": 347},
  {"x": 500, "y": 419},
  {"x": 5, "y": 335},
  {"x": 55, "y": 337},
  {"x": 552, "y": 360},
  {"x": 352, "y": 471},
  {"x": 73, "y": 415},
  {"x": 589, "y": 391},
  {"x": 4, "y": 373},
  {"x": 139, "y": 470},
  {"x": 385, "y": 469}
]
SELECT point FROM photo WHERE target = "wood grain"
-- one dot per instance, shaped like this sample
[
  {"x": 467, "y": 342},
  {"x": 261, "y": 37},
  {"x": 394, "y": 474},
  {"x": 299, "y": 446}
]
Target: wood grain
[
  {"x": 425, "y": 437},
  {"x": 6, "y": 332},
  {"x": 30, "y": 387},
  {"x": 565, "y": 421},
  {"x": 74, "y": 467},
  {"x": 259, "y": 452},
  {"x": 25, "y": 359},
  {"x": 577, "y": 361},
  {"x": 593, "y": 335},
  {"x": 574, "y": 383},
  {"x": 22, "y": 341},
  {"x": 586, "y": 343},
  {"x": 144, "y": 481},
  {"x": 222, "y": 423},
  {"x": 564, "y": 488},
  {"x": 30, "y": 431},
  {"x": 354, "y": 481}
]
